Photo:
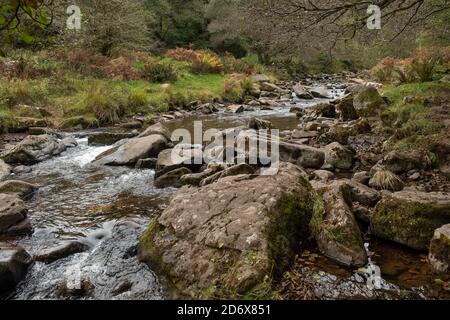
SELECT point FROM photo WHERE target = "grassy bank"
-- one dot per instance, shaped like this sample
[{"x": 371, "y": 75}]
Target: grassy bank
[{"x": 76, "y": 87}]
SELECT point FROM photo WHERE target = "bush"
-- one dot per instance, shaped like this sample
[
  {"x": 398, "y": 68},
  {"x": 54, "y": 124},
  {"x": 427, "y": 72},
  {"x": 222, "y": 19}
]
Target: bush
[
  {"x": 202, "y": 61},
  {"x": 237, "y": 88},
  {"x": 21, "y": 92},
  {"x": 158, "y": 72},
  {"x": 233, "y": 65},
  {"x": 120, "y": 69},
  {"x": 84, "y": 61},
  {"x": 107, "y": 105},
  {"x": 384, "y": 70}
]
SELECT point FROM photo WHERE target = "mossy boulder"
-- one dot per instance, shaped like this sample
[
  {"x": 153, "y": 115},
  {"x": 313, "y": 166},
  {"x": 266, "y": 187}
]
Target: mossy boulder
[
  {"x": 410, "y": 217},
  {"x": 368, "y": 102},
  {"x": 439, "y": 256},
  {"x": 339, "y": 156},
  {"x": 20, "y": 188},
  {"x": 334, "y": 226},
  {"x": 226, "y": 239},
  {"x": 33, "y": 149}
]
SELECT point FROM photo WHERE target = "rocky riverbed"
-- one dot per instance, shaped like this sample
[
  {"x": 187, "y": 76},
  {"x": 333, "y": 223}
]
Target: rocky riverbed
[{"x": 110, "y": 215}]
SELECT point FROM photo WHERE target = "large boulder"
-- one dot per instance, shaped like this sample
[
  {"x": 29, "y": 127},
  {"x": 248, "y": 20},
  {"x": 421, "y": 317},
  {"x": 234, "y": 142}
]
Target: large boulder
[
  {"x": 134, "y": 150},
  {"x": 270, "y": 87},
  {"x": 5, "y": 170},
  {"x": 12, "y": 213},
  {"x": 33, "y": 149},
  {"x": 335, "y": 228},
  {"x": 228, "y": 172},
  {"x": 368, "y": 102},
  {"x": 410, "y": 217},
  {"x": 259, "y": 124},
  {"x": 14, "y": 262},
  {"x": 404, "y": 161},
  {"x": 339, "y": 156},
  {"x": 231, "y": 237},
  {"x": 20, "y": 188},
  {"x": 320, "y": 92},
  {"x": 157, "y": 128},
  {"x": 235, "y": 108},
  {"x": 439, "y": 256}
]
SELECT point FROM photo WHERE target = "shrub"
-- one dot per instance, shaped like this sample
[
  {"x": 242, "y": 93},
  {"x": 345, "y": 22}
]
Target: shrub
[
  {"x": 84, "y": 61},
  {"x": 237, "y": 88},
  {"x": 158, "y": 72},
  {"x": 233, "y": 65},
  {"x": 120, "y": 69},
  {"x": 202, "y": 61},
  {"x": 17, "y": 92},
  {"x": 384, "y": 70},
  {"x": 386, "y": 180},
  {"x": 106, "y": 105}
]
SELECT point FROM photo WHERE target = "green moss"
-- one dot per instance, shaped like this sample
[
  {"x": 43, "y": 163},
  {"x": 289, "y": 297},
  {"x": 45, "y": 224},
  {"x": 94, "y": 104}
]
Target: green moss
[
  {"x": 409, "y": 223},
  {"x": 290, "y": 224}
]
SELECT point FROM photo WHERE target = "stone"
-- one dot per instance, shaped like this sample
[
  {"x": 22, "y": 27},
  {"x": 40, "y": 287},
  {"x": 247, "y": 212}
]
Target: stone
[
  {"x": 14, "y": 262},
  {"x": 133, "y": 150},
  {"x": 404, "y": 161},
  {"x": 225, "y": 239},
  {"x": 360, "y": 126},
  {"x": 20, "y": 188},
  {"x": 194, "y": 179},
  {"x": 171, "y": 179},
  {"x": 338, "y": 156},
  {"x": 207, "y": 108},
  {"x": 260, "y": 78},
  {"x": 335, "y": 228},
  {"x": 302, "y": 155},
  {"x": 5, "y": 170},
  {"x": 188, "y": 156},
  {"x": 12, "y": 211},
  {"x": 345, "y": 108},
  {"x": 270, "y": 87},
  {"x": 32, "y": 149},
  {"x": 362, "y": 177},
  {"x": 107, "y": 138},
  {"x": 410, "y": 217},
  {"x": 149, "y": 163},
  {"x": 21, "y": 169},
  {"x": 337, "y": 133},
  {"x": 235, "y": 108},
  {"x": 325, "y": 110},
  {"x": 439, "y": 256},
  {"x": 157, "y": 128},
  {"x": 320, "y": 92},
  {"x": 368, "y": 102},
  {"x": 239, "y": 169},
  {"x": 259, "y": 124},
  {"x": 302, "y": 93},
  {"x": 324, "y": 175},
  {"x": 61, "y": 251},
  {"x": 302, "y": 134}
]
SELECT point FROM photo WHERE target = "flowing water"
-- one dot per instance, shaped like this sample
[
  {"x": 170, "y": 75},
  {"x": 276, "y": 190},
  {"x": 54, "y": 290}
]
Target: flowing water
[{"x": 106, "y": 208}]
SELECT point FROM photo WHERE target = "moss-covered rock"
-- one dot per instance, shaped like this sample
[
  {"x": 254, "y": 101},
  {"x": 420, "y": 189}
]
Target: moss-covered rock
[
  {"x": 410, "y": 217},
  {"x": 20, "y": 188},
  {"x": 334, "y": 226},
  {"x": 439, "y": 256},
  {"x": 226, "y": 239},
  {"x": 346, "y": 109},
  {"x": 368, "y": 102}
]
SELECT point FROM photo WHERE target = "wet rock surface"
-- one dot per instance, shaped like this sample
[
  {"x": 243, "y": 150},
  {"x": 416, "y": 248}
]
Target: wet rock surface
[{"x": 14, "y": 262}]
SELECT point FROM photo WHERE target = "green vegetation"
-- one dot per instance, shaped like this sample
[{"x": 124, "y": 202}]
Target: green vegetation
[{"x": 415, "y": 114}]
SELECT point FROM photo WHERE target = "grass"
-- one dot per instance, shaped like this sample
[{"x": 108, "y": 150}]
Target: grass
[
  {"x": 414, "y": 114},
  {"x": 69, "y": 94}
]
